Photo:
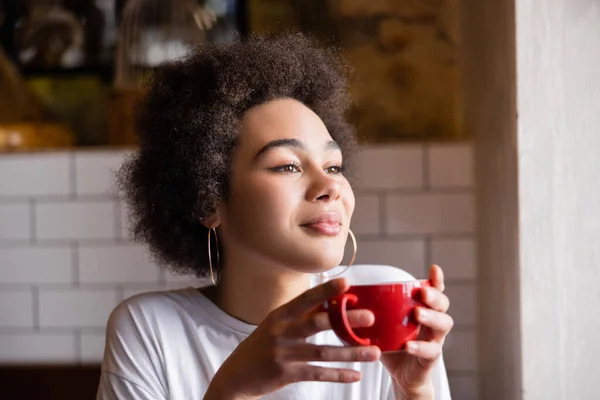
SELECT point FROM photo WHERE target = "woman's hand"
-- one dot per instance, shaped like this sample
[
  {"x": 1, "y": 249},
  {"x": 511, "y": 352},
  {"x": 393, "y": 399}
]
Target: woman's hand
[
  {"x": 276, "y": 354},
  {"x": 412, "y": 370}
]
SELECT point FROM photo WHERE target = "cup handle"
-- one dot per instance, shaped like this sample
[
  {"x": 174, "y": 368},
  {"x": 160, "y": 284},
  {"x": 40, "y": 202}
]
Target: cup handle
[{"x": 339, "y": 320}]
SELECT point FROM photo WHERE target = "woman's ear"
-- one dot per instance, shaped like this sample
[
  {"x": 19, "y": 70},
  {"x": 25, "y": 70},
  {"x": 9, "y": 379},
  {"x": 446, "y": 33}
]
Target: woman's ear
[{"x": 212, "y": 221}]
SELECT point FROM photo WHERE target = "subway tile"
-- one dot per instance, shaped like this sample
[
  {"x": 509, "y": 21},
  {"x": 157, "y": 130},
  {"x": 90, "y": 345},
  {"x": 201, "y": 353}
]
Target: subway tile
[
  {"x": 35, "y": 265},
  {"x": 95, "y": 171},
  {"x": 42, "y": 175},
  {"x": 116, "y": 264},
  {"x": 408, "y": 255},
  {"x": 463, "y": 302},
  {"x": 457, "y": 257},
  {"x": 365, "y": 219},
  {"x": 460, "y": 351},
  {"x": 450, "y": 165},
  {"x": 389, "y": 167},
  {"x": 76, "y": 307},
  {"x": 16, "y": 308},
  {"x": 430, "y": 214},
  {"x": 37, "y": 348},
  {"x": 463, "y": 387},
  {"x": 15, "y": 221},
  {"x": 92, "y": 347},
  {"x": 125, "y": 220},
  {"x": 133, "y": 290},
  {"x": 174, "y": 281},
  {"x": 75, "y": 220}
]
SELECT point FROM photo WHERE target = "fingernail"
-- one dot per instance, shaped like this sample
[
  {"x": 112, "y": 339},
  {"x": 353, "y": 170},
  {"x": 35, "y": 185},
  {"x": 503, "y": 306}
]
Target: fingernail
[
  {"x": 426, "y": 293},
  {"x": 371, "y": 353},
  {"x": 423, "y": 314},
  {"x": 411, "y": 347},
  {"x": 369, "y": 319}
]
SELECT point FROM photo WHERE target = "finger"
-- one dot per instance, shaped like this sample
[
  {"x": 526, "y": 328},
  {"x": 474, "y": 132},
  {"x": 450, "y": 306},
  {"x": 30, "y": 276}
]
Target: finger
[
  {"x": 439, "y": 323},
  {"x": 314, "y": 297},
  {"x": 435, "y": 299},
  {"x": 311, "y": 352},
  {"x": 436, "y": 277},
  {"x": 314, "y": 323},
  {"x": 428, "y": 352},
  {"x": 306, "y": 373}
]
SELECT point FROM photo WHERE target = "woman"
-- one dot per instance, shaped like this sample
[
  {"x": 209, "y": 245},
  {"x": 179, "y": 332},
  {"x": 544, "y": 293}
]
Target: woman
[{"x": 244, "y": 143}]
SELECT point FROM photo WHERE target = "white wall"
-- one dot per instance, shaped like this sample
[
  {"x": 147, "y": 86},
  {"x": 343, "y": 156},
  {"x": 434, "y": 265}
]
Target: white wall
[
  {"x": 65, "y": 260},
  {"x": 558, "y": 64}
]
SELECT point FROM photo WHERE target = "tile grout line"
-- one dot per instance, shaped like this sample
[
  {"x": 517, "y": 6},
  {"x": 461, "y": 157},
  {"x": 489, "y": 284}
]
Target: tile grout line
[
  {"x": 32, "y": 222},
  {"x": 118, "y": 210},
  {"x": 77, "y": 343},
  {"x": 120, "y": 293},
  {"x": 51, "y": 330},
  {"x": 425, "y": 168},
  {"x": 35, "y": 293},
  {"x": 383, "y": 226},
  {"x": 75, "y": 276},
  {"x": 73, "y": 176},
  {"x": 428, "y": 256},
  {"x": 162, "y": 278}
]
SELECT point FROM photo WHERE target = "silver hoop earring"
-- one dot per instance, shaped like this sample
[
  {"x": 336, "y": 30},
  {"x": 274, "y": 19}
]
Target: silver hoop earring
[
  {"x": 353, "y": 255},
  {"x": 210, "y": 263}
]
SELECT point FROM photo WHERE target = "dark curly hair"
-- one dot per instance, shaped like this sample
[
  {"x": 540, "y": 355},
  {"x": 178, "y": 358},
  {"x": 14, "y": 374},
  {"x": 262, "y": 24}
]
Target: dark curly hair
[{"x": 188, "y": 125}]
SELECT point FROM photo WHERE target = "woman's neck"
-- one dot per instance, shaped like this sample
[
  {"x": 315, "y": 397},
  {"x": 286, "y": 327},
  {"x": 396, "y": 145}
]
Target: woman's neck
[{"x": 249, "y": 292}]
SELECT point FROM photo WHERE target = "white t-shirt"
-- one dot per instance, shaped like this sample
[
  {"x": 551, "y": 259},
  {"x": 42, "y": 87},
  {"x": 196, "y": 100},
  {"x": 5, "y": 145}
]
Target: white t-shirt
[{"x": 168, "y": 345}]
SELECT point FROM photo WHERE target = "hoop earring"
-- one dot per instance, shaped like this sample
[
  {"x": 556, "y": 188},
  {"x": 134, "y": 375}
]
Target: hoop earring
[
  {"x": 353, "y": 255},
  {"x": 210, "y": 263}
]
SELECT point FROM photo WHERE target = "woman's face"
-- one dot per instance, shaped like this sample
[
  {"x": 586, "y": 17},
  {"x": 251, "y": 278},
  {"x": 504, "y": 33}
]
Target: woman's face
[{"x": 289, "y": 203}]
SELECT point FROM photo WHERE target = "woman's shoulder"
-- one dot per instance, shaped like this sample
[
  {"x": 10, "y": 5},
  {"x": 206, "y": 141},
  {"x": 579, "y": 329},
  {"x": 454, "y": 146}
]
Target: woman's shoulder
[{"x": 151, "y": 309}]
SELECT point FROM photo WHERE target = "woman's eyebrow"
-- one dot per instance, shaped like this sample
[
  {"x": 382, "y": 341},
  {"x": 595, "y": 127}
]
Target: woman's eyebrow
[{"x": 292, "y": 143}]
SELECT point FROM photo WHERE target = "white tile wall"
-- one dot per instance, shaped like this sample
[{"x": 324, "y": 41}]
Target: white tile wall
[
  {"x": 75, "y": 220},
  {"x": 44, "y": 175},
  {"x": 16, "y": 221},
  {"x": 450, "y": 166},
  {"x": 460, "y": 350},
  {"x": 96, "y": 172},
  {"x": 457, "y": 256},
  {"x": 8, "y": 300},
  {"x": 117, "y": 264},
  {"x": 464, "y": 302},
  {"x": 430, "y": 213},
  {"x": 36, "y": 265},
  {"x": 76, "y": 308},
  {"x": 92, "y": 347},
  {"x": 366, "y": 218},
  {"x": 65, "y": 260},
  {"x": 396, "y": 167},
  {"x": 33, "y": 347},
  {"x": 464, "y": 386}
]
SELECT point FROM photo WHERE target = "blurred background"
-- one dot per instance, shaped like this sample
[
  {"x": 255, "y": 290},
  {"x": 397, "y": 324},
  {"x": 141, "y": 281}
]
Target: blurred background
[{"x": 71, "y": 73}]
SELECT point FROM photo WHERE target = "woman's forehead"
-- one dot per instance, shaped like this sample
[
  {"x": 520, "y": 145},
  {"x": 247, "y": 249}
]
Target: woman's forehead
[{"x": 282, "y": 119}]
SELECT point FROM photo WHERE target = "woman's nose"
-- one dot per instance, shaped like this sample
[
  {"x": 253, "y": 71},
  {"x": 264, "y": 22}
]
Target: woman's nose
[{"x": 324, "y": 188}]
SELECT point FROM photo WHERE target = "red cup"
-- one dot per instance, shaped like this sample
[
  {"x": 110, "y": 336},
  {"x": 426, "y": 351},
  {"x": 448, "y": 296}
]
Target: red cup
[{"x": 393, "y": 305}]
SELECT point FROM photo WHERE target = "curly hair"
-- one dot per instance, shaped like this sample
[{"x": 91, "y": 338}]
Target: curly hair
[{"x": 188, "y": 125}]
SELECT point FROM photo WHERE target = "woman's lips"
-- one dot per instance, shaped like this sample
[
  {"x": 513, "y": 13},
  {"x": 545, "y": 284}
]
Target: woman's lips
[
  {"x": 328, "y": 223},
  {"x": 325, "y": 228}
]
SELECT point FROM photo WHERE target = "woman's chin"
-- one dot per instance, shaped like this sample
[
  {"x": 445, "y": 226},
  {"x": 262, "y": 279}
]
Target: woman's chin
[{"x": 323, "y": 263}]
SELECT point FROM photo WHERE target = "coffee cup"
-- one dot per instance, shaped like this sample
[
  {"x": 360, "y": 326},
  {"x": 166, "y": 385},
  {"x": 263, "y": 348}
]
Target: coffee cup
[{"x": 393, "y": 305}]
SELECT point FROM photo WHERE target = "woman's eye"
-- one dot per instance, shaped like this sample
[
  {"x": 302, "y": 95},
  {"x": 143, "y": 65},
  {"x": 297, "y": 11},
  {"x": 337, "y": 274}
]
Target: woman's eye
[
  {"x": 335, "y": 169},
  {"x": 288, "y": 169}
]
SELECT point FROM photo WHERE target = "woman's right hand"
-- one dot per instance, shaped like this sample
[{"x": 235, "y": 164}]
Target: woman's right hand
[{"x": 276, "y": 354}]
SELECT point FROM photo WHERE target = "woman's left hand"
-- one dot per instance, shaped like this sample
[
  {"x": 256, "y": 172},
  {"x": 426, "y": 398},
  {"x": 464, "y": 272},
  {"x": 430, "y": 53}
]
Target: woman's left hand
[{"x": 412, "y": 370}]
